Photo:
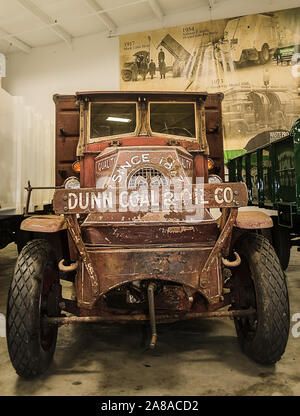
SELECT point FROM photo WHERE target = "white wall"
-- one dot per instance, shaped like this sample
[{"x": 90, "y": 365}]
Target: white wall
[
  {"x": 92, "y": 64},
  {"x": 27, "y": 153}
]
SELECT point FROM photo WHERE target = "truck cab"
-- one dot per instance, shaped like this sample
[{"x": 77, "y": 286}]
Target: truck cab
[{"x": 132, "y": 228}]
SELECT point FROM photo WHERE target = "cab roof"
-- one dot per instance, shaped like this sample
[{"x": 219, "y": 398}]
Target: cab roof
[{"x": 133, "y": 95}]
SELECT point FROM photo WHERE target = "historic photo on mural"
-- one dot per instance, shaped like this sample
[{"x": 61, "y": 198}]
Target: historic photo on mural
[{"x": 253, "y": 60}]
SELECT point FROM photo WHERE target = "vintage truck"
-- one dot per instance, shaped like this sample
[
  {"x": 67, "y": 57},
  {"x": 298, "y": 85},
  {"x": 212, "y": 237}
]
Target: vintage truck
[
  {"x": 139, "y": 57},
  {"x": 136, "y": 234},
  {"x": 272, "y": 175},
  {"x": 247, "y": 39},
  {"x": 289, "y": 54}
]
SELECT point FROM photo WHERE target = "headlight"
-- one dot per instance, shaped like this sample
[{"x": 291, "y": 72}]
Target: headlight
[
  {"x": 214, "y": 179},
  {"x": 76, "y": 166},
  {"x": 72, "y": 183},
  {"x": 210, "y": 164}
]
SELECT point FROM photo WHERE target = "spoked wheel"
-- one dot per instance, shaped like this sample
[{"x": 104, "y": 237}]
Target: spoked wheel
[
  {"x": 34, "y": 293},
  {"x": 259, "y": 283}
]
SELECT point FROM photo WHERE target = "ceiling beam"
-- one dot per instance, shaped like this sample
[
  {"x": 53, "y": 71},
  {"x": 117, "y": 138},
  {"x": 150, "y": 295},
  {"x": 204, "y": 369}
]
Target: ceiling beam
[
  {"x": 14, "y": 41},
  {"x": 43, "y": 17},
  {"x": 103, "y": 16},
  {"x": 156, "y": 8}
]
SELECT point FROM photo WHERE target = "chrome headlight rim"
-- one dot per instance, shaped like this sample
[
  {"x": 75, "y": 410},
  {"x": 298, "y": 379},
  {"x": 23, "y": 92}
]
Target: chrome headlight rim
[
  {"x": 213, "y": 178},
  {"x": 72, "y": 182}
]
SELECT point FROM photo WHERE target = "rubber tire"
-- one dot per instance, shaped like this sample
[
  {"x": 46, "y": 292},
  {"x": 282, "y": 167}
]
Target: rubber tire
[
  {"x": 262, "y": 59},
  {"x": 272, "y": 302},
  {"x": 27, "y": 355},
  {"x": 126, "y": 75},
  {"x": 282, "y": 244}
]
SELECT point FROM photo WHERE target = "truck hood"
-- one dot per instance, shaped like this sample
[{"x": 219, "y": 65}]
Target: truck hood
[{"x": 143, "y": 165}]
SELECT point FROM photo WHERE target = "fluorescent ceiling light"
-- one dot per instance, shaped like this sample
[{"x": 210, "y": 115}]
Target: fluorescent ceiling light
[{"x": 122, "y": 120}]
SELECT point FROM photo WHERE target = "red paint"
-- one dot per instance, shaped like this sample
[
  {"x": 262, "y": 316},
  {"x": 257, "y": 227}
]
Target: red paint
[
  {"x": 87, "y": 167},
  {"x": 200, "y": 167},
  {"x": 141, "y": 141}
]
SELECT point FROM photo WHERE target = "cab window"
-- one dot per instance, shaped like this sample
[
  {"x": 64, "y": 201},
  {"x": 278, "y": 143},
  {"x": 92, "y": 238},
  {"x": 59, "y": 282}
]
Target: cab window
[
  {"x": 176, "y": 119},
  {"x": 112, "y": 119}
]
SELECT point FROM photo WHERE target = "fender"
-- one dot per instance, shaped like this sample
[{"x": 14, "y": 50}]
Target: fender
[
  {"x": 44, "y": 224},
  {"x": 253, "y": 220}
]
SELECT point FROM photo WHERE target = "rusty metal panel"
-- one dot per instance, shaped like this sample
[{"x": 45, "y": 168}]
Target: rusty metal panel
[
  {"x": 131, "y": 219},
  {"x": 44, "y": 223},
  {"x": 117, "y": 266},
  {"x": 253, "y": 220},
  {"x": 112, "y": 235},
  {"x": 74, "y": 231},
  {"x": 214, "y": 131}
]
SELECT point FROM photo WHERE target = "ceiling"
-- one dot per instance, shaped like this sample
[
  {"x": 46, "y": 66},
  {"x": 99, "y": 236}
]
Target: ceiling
[{"x": 27, "y": 24}]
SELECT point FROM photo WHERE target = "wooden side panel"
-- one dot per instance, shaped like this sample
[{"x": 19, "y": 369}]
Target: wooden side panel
[
  {"x": 214, "y": 131},
  {"x": 67, "y": 136}
]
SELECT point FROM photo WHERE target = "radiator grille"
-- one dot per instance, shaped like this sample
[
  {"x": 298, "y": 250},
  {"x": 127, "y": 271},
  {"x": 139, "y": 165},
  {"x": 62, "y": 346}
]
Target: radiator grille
[{"x": 147, "y": 176}]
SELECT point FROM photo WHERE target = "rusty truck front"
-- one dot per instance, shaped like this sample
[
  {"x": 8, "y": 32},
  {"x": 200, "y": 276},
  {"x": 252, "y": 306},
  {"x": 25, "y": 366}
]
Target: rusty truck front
[
  {"x": 133, "y": 226},
  {"x": 140, "y": 215}
]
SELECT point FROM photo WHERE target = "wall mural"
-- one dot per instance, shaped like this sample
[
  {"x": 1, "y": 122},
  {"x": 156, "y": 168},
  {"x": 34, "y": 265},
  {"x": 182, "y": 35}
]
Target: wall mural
[{"x": 254, "y": 60}]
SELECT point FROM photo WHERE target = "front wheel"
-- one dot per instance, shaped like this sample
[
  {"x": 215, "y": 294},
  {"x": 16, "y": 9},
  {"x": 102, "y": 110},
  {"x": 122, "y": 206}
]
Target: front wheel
[
  {"x": 34, "y": 293},
  {"x": 126, "y": 75},
  {"x": 259, "y": 283}
]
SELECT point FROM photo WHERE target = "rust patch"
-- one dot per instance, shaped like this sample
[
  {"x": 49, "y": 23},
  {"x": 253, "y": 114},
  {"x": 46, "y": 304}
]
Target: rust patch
[
  {"x": 253, "y": 220},
  {"x": 143, "y": 317},
  {"x": 178, "y": 230},
  {"x": 44, "y": 224}
]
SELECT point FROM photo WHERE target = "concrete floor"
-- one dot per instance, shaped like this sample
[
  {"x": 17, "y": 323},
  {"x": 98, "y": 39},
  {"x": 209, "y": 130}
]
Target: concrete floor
[{"x": 192, "y": 358}]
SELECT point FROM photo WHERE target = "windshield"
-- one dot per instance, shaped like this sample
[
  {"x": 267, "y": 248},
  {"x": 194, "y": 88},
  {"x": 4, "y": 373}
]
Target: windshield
[
  {"x": 112, "y": 119},
  {"x": 173, "y": 119}
]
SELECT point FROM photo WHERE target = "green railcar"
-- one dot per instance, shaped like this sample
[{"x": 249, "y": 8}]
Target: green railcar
[{"x": 272, "y": 175}]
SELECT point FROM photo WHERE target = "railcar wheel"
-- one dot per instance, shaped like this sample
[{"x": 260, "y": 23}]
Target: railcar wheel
[{"x": 34, "y": 292}]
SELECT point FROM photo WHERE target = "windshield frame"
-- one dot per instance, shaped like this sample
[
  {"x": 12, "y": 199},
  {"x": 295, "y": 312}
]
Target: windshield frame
[{"x": 105, "y": 138}]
